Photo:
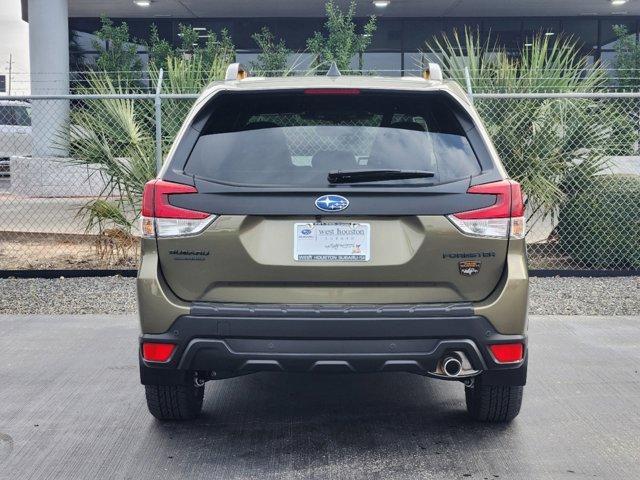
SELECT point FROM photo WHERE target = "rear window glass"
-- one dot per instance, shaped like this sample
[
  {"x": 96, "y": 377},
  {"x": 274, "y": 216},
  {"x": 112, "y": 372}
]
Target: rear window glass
[{"x": 296, "y": 139}]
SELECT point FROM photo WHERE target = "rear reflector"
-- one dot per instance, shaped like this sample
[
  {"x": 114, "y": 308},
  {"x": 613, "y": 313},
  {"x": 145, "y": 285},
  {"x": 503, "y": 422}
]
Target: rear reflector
[
  {"x": 160, "y": 218},
  {"x": 507, "y": 352},
  {"x": 332, "y": 91},
  {"x": 502, "y": 219},
  {"x": 157, "y": 352}
]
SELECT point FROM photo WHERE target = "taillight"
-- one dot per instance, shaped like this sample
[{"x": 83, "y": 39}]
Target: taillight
[
  {"x": 502, "y": 219},
  {"x": 157, "y": 352},
  {"x": 160, "y": 218},
  {"x": 507, "y": 352}
]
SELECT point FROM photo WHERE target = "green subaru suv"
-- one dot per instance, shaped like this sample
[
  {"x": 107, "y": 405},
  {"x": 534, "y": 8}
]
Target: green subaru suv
[{"x": 333, "y": 224}]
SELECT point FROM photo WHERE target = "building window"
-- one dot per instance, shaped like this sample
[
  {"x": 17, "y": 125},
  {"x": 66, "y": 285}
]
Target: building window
[
  {"x": 418, "y": 32},
  {"x": 504, "y": 33},
  {"x": 385, "y": 64},
  {"x": 301, "y": 62},
  {"x": 459, "y": 25},
  {"x": 246, "y": 58},
  {"x": 415, "y": 62},
  {"x": 584, "y": 31},
  {"x": 537, "y": 26},
  {"x": 395, "y": 45},
  {"x": 388, "y": 35}
]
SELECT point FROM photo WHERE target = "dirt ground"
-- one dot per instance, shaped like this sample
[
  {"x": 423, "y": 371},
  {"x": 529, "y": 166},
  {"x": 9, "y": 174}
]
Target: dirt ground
[{"x": 46, "y": 251}]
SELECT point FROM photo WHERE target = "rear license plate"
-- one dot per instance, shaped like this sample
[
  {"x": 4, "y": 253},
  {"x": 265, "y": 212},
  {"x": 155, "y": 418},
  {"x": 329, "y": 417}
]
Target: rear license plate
[{"x": 331, "y": 242}]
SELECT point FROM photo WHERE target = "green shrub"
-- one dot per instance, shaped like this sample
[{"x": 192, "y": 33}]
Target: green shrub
[{"x": 599, "y": 226}]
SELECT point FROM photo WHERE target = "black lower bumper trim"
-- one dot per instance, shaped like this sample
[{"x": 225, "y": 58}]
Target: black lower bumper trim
[
  {"x": 238, "y": 342},
  {"x": 233, "y": 357}
]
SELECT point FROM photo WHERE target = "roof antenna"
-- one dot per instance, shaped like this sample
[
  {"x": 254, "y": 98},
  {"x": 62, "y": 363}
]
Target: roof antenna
[{"x": 333, "y": 71}]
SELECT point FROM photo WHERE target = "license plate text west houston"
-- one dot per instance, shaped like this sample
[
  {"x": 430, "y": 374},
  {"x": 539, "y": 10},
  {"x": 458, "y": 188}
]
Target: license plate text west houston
[{"x": 331, "y": 242}]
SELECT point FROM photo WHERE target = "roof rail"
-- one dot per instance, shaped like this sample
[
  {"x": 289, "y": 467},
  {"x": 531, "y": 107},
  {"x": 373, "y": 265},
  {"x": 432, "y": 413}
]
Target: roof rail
[
  {"x": 236, "y": 71},
  {"x": 432, "y": 72}
]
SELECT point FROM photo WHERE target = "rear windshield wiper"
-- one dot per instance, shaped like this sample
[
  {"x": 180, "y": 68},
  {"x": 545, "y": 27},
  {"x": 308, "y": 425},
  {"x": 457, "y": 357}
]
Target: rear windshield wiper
[{"x": 378, "y": 175}]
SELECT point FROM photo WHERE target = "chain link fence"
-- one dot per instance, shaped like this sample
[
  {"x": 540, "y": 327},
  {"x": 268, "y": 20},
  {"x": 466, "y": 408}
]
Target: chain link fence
[{"x": 575, "y": 154}]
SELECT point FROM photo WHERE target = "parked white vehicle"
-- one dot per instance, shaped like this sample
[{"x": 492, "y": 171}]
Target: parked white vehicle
[{"x": 15, "y": 132}]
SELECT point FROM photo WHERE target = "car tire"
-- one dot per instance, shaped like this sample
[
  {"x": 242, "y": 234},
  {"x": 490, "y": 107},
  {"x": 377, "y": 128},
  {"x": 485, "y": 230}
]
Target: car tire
[
  {"x": 174, "y": 402},
  {"x": 493, "y": 403}
]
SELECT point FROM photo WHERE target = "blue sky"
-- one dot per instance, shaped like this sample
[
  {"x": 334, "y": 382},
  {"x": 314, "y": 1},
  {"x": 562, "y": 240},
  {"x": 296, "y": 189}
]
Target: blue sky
[{"x": 14, "y": 39}]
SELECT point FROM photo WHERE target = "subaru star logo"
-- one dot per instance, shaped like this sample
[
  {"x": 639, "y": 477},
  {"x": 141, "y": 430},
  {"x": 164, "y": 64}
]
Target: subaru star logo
[{"x": 332, "y": 203}]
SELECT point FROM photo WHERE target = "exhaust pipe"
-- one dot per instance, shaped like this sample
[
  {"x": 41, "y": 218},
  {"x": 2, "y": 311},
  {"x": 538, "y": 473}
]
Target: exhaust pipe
[
  {"x": 454, "y": 365},
  {"x": 451, "y": 366}
]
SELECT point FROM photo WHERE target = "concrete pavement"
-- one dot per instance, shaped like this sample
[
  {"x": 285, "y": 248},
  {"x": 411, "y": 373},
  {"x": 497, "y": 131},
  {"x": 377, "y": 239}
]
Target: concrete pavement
[{"x": 71, "y": 408}]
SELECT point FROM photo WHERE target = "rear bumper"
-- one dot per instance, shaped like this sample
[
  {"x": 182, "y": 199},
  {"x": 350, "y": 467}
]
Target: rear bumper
[{"x": 227, "y": 340}]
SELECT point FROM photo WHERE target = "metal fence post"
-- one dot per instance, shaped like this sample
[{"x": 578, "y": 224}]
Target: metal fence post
[
  {"x": 158, "y": 105},
  {"x": 467, "y": 78}
]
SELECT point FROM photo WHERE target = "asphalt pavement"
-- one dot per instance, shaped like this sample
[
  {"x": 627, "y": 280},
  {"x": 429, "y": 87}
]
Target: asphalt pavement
[{"x": 71, "y": 408}]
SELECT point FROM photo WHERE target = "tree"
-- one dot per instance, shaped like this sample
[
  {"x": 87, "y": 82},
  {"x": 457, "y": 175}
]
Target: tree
[
  {"x": 218, "y": 48},
  {"x": 627, "y": 61},
  {"x": 118, "y": 57},
  {"x": 189, "y": 39},
  {"x": 342, "y": 42},
  {"x": 273, "y": 56},
  {"x": 159, "y": 49}
]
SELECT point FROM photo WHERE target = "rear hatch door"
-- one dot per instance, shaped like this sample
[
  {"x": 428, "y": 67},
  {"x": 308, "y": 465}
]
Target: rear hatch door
[{"x": 288, "y": 225}]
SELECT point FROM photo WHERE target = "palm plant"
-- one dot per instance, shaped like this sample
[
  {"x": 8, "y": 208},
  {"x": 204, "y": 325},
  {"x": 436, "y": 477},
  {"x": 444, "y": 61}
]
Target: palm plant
[
  {"x": 116, "y": 136},
  {"x": 546, "y": 64},
  {"x": 549, "y": 145},
  {"x": 184, "y": 75}
]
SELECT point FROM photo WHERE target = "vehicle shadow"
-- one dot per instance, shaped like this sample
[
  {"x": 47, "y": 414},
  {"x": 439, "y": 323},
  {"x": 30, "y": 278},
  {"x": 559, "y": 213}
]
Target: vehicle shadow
[{"x": 314, "y": 422}]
